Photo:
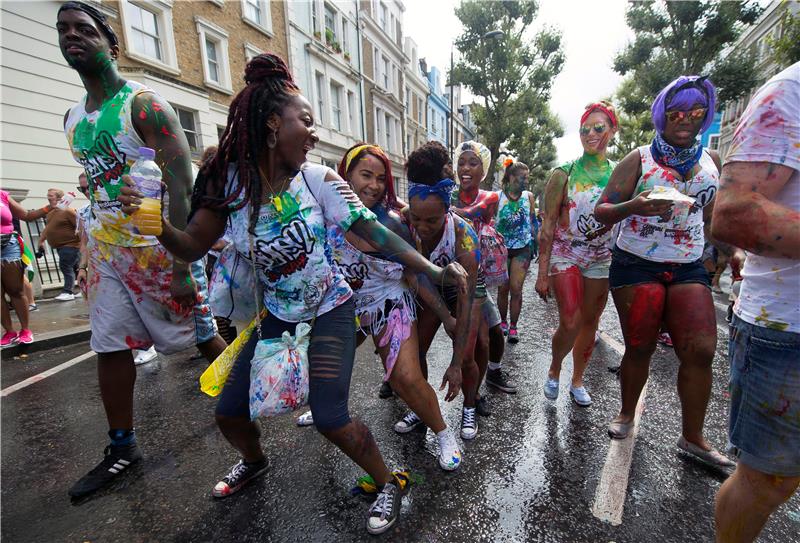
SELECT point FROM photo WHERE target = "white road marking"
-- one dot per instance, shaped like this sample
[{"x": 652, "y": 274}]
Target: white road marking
[
  {"x": 609, "y": 499},
  {"x": 45, "y": 374}
]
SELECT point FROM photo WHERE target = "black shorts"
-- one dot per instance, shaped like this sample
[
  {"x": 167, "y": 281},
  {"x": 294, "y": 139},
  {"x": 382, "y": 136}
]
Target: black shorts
[{"x": 628, "y": 270}]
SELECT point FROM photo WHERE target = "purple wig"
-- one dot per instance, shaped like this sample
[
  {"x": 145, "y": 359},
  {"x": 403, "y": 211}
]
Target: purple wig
[{"x": 682, "y": 94}]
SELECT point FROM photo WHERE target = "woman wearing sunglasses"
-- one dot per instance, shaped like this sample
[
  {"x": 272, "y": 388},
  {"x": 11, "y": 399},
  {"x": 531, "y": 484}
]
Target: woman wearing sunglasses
[
  {"x": 657, "y": 272},
  {"x": 574, "y": 255}
]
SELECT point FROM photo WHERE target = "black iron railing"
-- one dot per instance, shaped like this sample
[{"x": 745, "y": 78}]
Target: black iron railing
[{"x": 46, "y": 265}]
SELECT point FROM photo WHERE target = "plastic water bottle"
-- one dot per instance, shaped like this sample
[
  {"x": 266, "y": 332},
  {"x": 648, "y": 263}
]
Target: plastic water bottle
[{"x": 147, "y": 176}]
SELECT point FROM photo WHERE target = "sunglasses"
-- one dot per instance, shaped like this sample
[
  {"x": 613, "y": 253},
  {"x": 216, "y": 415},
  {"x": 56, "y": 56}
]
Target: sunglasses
[
  {"x": 598, "y": 127},
  {"x": 83, "y": 190},
  {"x": 694, "y": 115}
]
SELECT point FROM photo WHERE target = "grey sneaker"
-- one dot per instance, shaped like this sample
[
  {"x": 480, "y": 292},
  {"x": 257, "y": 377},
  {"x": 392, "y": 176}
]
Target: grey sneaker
[
  {"x": 580, "y": 396},
  {"x": 551, "y": 389}
]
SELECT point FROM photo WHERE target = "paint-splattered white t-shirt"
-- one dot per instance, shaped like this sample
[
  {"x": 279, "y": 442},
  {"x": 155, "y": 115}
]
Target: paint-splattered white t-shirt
[{"x": 770, "y": 132}]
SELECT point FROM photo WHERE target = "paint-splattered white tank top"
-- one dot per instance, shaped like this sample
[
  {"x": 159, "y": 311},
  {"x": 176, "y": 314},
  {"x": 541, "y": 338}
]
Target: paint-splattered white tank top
[{"x": 678, "y": 238}]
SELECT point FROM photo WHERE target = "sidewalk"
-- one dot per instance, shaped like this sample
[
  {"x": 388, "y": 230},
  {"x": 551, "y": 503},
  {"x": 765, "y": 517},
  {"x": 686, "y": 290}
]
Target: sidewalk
[{"x": 55, "y": 324}]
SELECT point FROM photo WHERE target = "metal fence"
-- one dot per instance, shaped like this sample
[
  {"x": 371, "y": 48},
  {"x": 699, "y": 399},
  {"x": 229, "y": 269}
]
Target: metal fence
[{"x": 47, "y": 265}]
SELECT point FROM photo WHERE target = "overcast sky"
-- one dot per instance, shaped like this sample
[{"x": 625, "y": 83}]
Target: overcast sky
[{"x": 592, "y": 33}]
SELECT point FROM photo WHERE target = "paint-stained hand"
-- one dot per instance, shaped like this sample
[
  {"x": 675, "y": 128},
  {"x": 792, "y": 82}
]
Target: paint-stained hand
[
  {"x": 81, "y": 279},
  {"x": 454, "y": 275},
  {"x": 130, "y": 197},
  {"x": 183, "y": 289},
  {"x": 644, "y": 207},
  {"x": 543, "y": 286},
  {"x": 452, "y": 378},
  {"x": 737, "y": 262}
]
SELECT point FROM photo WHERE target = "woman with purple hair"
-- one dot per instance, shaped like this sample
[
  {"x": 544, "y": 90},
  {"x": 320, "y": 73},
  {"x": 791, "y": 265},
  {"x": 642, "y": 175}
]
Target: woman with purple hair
[{"x": 662, "y": 194}]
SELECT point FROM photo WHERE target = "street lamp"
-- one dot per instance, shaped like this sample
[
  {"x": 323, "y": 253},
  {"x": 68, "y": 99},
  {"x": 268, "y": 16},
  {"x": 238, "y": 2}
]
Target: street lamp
[{"x": 491, "y": 35}]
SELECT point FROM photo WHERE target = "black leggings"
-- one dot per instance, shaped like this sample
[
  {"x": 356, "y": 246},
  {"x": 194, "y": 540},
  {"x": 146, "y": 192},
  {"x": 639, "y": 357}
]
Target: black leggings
[{"x": 331, "y": 353}]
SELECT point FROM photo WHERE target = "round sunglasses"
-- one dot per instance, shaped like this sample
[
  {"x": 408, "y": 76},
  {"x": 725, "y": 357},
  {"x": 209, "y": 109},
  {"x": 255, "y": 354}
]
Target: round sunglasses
[
  {"x": 597, "y": 127},
  {"x": 694, "y": 115}
]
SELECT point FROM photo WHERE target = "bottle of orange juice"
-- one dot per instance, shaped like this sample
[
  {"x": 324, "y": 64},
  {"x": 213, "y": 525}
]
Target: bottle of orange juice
[{"x": 147, "y": 176}]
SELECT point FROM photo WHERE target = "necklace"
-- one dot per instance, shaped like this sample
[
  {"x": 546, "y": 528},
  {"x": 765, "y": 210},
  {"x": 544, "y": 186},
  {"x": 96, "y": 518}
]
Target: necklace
[{"x": 276, "y": 200}]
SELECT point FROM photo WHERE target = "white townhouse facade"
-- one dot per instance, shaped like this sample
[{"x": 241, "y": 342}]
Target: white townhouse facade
[{"x": 325, "y": 54}]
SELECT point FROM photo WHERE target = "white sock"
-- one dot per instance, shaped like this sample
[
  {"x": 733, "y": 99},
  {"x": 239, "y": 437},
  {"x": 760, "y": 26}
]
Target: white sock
[
  {"x": 495, "y": 365},
  {"x": 443, "y": 434}
]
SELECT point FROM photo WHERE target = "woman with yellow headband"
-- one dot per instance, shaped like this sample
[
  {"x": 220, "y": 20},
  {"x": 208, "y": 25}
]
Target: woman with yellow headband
[{"x": 385, "y": 307}]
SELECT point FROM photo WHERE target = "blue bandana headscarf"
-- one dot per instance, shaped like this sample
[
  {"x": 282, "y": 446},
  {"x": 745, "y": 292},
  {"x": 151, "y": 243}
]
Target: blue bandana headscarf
[{"x": 442, "y": 189}]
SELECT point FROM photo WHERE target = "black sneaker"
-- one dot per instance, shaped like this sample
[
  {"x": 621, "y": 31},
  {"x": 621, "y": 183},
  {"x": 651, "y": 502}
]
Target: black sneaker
[
  {"x": 117, "y": 460},
  {"x": 482, "y": 407},
  {"x": 498, "y": 379},
  {"x": 385, "y": 391},
  {"x": 385, "y": 510},
  {"x": 241, "y": 474}
]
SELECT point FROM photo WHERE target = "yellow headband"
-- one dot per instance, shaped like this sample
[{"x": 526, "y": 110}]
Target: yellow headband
[{"x": 354, "y": 153}]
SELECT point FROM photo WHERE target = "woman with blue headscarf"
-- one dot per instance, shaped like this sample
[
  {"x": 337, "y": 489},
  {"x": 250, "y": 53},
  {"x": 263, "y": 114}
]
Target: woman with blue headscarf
[{"x": 662, "y": 195}]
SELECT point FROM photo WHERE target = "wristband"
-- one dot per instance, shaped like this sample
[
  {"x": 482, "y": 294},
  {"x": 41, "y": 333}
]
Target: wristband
[
  {"x": 85, "y": 268},
  {"x": 46, "y": 208}
]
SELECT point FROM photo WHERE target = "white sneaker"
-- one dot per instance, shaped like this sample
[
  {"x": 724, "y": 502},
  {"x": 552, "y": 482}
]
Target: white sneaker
[
  {"x": 143, "y": 357},
  {"x": 449, "y": 451},
  {"x": 306, "y": 419},
  {"x": 65, "y": 297},
  {"x": 407, "y": 423},
  {"x": 469, "y": 424}
]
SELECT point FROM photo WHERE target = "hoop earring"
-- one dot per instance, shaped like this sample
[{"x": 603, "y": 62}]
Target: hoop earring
[{"x": 274, "y": 142}]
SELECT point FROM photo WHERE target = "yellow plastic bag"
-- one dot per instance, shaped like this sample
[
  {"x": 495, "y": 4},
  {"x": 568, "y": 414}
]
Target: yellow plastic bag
[{"x": 213, "y": 379}]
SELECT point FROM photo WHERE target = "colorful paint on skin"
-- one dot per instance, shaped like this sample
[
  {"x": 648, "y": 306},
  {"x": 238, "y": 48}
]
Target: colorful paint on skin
[{"x": 642, "y": 319}]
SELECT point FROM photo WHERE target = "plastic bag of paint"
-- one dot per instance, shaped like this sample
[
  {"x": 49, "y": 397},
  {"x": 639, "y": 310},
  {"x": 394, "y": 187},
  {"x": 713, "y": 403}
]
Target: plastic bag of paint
[
  {"x": 232, "y": 286},
  {"x": 279, "y": 380},
  {"x": 213, "y": 379},
  {"x": 494, "y": 256}
]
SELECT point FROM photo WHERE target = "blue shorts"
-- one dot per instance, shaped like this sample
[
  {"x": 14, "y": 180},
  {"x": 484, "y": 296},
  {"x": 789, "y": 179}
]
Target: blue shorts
[
  {"x": 764, "y": 426},
  {"x": 12, "y": 250},
  {"x": 628, "y": 270}
]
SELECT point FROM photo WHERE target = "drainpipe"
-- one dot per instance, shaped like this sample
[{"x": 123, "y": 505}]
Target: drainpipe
[{"x": 362, "y": 100}]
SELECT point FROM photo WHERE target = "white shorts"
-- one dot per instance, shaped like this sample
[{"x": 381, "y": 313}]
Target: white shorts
[{"x": 595, "y": 270}]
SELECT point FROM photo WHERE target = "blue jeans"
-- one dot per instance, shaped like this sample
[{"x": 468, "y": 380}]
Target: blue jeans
[
  {"x": 764, "y": 426},
  {"x": 67, "y": 262}
]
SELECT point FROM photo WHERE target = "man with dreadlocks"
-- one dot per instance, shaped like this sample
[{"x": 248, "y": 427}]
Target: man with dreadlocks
[
  {"x": 138, "y": 294},
  {"x": 279, "y": 208}
]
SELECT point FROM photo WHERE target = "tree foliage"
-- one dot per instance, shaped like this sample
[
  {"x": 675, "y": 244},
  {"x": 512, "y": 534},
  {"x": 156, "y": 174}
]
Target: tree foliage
[
  {"x": 535, "y": 146},
  {"x": 514, "y": 74},
  {"x": 685, "y": 38},
  {"x": 786, "y": 48}
]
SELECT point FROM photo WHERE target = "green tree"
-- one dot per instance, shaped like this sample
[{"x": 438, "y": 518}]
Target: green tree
[
  {"x": 535, "y": 146},
  {"x": 514, "y": 75},
  {"x": 634, "y": 129},
  {"x": 683, "y": 38},
  {"x": 786, "y": 48}
]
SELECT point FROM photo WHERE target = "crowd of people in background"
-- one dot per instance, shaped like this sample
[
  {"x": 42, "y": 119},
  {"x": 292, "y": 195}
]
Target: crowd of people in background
[{"x": 656, "y": 230}]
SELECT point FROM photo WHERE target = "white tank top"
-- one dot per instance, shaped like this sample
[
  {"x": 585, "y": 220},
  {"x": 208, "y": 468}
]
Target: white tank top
[
  {"x": 106, "y": 144},
  {"x": 445, "y": 251},
  {"x": 679, "y": 238}
]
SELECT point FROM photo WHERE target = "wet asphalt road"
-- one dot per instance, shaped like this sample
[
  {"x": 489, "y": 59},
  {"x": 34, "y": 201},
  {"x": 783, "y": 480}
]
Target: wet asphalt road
[{"x": 530, "y": 475}]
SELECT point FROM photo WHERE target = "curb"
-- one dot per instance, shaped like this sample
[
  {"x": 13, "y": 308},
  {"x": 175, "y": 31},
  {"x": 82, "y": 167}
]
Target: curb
[{"x": 49, "y": 340}]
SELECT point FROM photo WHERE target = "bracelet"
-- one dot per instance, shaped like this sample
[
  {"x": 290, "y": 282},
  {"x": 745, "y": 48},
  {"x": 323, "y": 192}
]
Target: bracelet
[
  {"x": 85, "y": 268},
  {"x": 46, "y": 208}
]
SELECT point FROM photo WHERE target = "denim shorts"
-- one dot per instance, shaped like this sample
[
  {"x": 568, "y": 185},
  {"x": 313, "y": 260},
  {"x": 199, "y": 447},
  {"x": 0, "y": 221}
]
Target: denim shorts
[
  {"x": 12, "y": 251},
  {"x": 628, "y": 270},
  {"x": 595, "y": 270},
  {"x": 764, "y": 426}
]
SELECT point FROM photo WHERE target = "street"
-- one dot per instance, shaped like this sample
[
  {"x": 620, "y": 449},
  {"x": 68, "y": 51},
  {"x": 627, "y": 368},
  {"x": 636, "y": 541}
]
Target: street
[{"x": 531, "y": 474}]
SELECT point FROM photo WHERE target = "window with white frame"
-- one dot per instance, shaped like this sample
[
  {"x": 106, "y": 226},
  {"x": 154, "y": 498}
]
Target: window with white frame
[
  {"x": 378, "y": 124},
  {"x": 251, "y": 51},
  {"x": 713, "y": 142},
  {"x": 256, "y": 12},
  {"x": 147, "y": 28},
  {"x": 214, "y": 55},
  {"x": 351, "y": 112},
  {"x": 345, "y": 36},
  {"x": 187, "y": 120},
  {"x": 336, "y": 106},
  {"x": 386, "y": 73},
  {"x": 320, "y": 88},
  {"x": 330, "y": 24},
  {"x": 314, "y": 18},
  {"x": 388, "y": 130},
  {"x": 383, "y": 15},
  {"x": 420, "y": 111}
]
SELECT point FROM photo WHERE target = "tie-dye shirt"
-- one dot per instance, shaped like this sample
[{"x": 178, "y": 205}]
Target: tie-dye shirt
[
  {"x": 106, "y": 144},
  {"x": 292, "y": 251},
  {"x": 769, "y": 131},
  {"x": 514, "y": 220},
  {"x": 583, "y": 240}
]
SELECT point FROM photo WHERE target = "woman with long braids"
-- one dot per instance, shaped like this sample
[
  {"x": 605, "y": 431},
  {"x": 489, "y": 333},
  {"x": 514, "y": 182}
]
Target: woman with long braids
[
  {"x": 516, "y": 216},
  {"x": 385, "y": 307},
  {"x": 657, "y": 272},
  {"x": 574, "y": 255},
  {"x": 480, "y": 207},
  {"x": 279, "y": 208},
  {"x": 443, "y": 237}
]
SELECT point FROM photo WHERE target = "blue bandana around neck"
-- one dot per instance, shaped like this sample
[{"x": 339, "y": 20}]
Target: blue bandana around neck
[
  {"x": 680, "y": 159},
  {"x": 442, "y": 189}
]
